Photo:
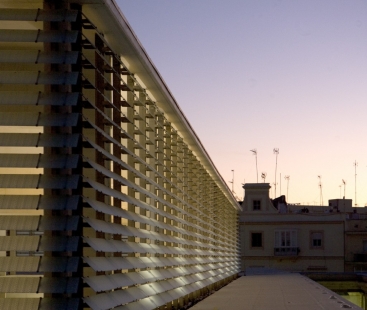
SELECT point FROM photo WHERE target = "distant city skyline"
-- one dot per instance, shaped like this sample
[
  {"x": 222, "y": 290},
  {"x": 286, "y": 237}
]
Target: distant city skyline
[{"x": 264, "y": 75}]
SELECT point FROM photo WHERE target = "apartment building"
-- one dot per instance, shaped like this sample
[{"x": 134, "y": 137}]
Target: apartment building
[
  {"x": 108, "y": 199},
  {"x": 300, "y": 238}
]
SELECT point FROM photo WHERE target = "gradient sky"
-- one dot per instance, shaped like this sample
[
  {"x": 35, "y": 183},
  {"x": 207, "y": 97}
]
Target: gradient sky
[{"x": 268, "y": 74}]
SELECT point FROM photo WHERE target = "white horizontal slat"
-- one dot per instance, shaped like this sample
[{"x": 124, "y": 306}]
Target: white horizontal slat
[
  {"x": 142, "y": 304},
  {"x": 19, "y": 243},
  {"x": 117, "y": 263},
  {"x": 38, "y": 98},
  {"x": 20, "y": 303},
  {"x": 19, "y": 264},
  {"x": 38, "y": 15},
  {"x": 126, "y": 182},
  {"x": 46, "y": 36},
  {"x": 113, "y": 281},
  {"x": 10, "y": 222},
  {"x": 116, "y": 246},
  {"x": 155, "y": 290},
  {"x": 116, "y": 298},
  {"x": 38, "y": 119},
  {"x": 107, "y": 209},
  {"x": 136, "y": 172},
  {"x": 113, "y": 228},
  {"x": 59, "y": 161},
  {"x": 43, "y": 140},
  {"x": 116, "y": 194},
  {"x": 35, "y": 78},
  {"x": 99, "y": 206},
  {"x": 198, "y": 218},
  {"x": 37, "y": 56},
  {"x": 19, "y": 284},
  {"x": 38, "y": 202},
  {"x": 111, "y": 210}
]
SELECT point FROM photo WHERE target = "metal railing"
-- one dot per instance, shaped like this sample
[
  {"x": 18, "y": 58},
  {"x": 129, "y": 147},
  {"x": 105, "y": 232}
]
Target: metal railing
[{"x": 286, "y": 251}]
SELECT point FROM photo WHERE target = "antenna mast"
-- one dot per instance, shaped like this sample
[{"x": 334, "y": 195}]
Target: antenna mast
[
  {"x": 340, "y": 191},
  {"x": 344, "y": 182},
  {"x": 254, "y": 152},
  {"x": 320, "y": 185},
  {"x": 276, "y": 152},
  {"x": 232, "y": 180},
  {"x": 263, "y": 176},
  {"x": 355, "y": 164},
  {"x": 287, "y": 177}
]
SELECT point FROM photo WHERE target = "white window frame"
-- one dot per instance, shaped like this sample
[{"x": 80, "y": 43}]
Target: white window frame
[
  {"x": 285, "y": 242},
  {"x": 316, "y": 235}
]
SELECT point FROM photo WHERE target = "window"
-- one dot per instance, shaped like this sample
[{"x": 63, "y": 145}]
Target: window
[
  {"x": 256, "y": 240},
  {"x": 286, "y": 243},
  {"x": 256, "y": 205},
  {"x": 317, "y": 239}
]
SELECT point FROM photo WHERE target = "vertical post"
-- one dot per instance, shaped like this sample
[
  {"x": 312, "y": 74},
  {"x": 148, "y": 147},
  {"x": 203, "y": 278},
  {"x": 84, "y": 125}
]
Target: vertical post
[
  {"x": 276, "y": 152},
  {"x": 355, "y": 182},
  {"x": 100, "y": 86},
  {"x": 254, "y": 152},
  {"x": 116, "y": 132},
  {"x": 320, "y": 185},
  {"x": 232, "y": 182},
  {"x": 280, "y": 184},
  {"x": 287, "y": 178}
]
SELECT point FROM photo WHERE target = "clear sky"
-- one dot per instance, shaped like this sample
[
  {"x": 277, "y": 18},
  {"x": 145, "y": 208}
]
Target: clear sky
[{"x": 253, "y": 74}]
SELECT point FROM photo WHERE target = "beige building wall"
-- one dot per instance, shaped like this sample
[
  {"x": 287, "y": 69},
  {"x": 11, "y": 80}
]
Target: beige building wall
[{"x": 291, "y": 240}]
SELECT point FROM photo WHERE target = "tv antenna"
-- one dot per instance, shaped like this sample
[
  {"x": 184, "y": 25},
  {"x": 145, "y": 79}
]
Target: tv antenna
[
  {"x": 344, "y": 183},
  {"x": 263, "y": 176},
  {"x": 254, "y": 152}
]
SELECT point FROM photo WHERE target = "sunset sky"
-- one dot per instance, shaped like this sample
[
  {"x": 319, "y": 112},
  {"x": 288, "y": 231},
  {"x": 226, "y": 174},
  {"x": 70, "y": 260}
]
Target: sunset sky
[{"x": 252, "y": 74}]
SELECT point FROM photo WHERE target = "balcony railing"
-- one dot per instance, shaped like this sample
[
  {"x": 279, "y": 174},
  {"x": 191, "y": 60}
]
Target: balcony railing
[{"x": 286, "y": 251}]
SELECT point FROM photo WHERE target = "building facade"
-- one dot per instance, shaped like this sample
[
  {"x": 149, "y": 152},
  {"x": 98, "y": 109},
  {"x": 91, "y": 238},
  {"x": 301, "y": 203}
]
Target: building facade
[
  {"x": 107, "y": 197},
  {"x": 300, "y": 238}
]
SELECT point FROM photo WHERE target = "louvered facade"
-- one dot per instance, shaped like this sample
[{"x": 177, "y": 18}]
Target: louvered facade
[{"x": 107, "y": 197}]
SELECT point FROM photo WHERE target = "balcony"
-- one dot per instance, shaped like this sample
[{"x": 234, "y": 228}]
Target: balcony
[{"x": 286, "y": 251}]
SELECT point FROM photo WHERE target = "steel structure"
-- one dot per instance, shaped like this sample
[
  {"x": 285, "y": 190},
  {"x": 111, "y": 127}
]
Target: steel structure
[{"x": 107, "y": 197}]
